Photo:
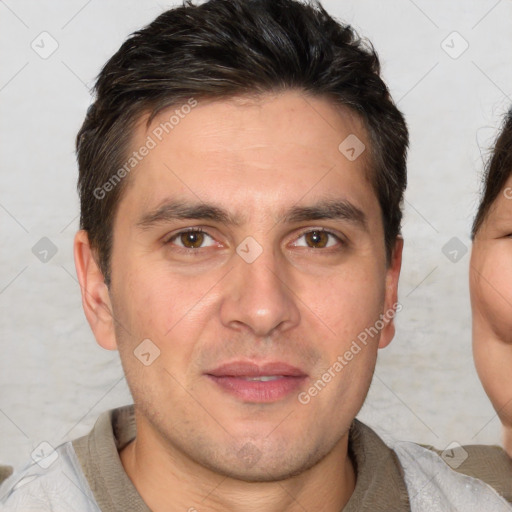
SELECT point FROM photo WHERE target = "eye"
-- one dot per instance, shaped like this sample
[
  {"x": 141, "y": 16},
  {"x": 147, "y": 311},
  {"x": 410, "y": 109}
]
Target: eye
[
  {"x": 319, "y": 239},
  {"x": 191, "y": 239}
]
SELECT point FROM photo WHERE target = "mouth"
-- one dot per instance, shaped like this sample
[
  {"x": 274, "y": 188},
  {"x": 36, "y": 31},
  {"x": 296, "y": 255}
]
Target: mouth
[{"x": 258, "y": 383}]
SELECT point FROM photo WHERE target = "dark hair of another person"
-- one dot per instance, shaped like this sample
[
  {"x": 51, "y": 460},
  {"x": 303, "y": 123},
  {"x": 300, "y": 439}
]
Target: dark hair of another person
[
  {"x": 226, "y": 48},
  {"x": 497, "y": 172}
]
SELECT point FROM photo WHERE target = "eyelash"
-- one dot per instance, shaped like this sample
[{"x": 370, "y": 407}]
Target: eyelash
[{"x": 188, "y": 250}]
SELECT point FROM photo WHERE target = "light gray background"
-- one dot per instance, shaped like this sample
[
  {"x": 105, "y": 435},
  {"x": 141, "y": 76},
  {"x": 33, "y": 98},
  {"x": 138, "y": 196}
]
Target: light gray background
[{"x": 55, "y": 380}]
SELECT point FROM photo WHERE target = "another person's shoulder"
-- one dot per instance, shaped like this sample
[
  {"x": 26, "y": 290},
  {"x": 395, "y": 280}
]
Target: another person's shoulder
[
  {"x": 491, "y": 464},
  {"x": 467, "y": 477}
]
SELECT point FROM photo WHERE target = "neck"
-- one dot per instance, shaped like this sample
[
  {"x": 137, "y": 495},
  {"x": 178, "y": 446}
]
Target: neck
[{"x": 168, "y": 480}]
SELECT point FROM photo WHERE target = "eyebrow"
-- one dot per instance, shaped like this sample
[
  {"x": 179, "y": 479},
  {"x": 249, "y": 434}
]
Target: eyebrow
[
  {"x": 179, "y": 210},
  {"x": 334, "y": 209}
]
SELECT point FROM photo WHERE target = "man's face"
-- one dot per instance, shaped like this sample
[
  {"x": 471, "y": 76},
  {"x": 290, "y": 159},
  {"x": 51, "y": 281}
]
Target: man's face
[{"x": 280, "y": 293}]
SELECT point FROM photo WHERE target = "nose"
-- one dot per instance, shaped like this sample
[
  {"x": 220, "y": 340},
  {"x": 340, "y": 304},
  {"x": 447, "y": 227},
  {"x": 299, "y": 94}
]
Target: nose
[{"x": 259, "y": 296}]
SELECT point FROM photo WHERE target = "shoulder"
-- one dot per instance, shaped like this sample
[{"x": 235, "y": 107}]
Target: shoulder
[
  {"x": 436, "y": 478},
  {"x": 469, "y": 478},
  {"x": 491, "y": 464},
  {"x": 54, "y": 483}
]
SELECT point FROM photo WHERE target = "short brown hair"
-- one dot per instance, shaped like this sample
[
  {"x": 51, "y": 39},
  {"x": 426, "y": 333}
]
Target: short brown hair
[{"x": 226, "y": 48}]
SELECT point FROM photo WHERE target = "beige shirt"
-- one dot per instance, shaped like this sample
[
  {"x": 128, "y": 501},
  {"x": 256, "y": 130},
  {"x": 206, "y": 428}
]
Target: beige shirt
[{"x": 379, "y": 487}]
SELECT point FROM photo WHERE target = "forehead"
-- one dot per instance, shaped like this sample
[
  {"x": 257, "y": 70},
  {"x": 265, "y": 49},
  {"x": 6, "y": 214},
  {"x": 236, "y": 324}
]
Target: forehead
[{"x": 243, "y": 150}]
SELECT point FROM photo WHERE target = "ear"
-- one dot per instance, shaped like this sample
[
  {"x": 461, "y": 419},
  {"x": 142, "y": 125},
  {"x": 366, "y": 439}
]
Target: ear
[
  {"x": 391, "y": 304},
  {"x": 95, "y": 294}
]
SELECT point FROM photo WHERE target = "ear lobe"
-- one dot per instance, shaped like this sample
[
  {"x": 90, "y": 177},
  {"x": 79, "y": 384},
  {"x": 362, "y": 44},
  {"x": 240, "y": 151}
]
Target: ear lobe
[
  {"x": 95, "y": 295},
  {"x": 391, "y": 304}
]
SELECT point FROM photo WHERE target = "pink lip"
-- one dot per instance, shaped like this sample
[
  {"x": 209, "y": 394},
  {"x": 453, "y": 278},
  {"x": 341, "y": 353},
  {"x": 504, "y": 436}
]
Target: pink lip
[
  {"x": 231, "y": 377},
  {"x": 252, "y": 369}
]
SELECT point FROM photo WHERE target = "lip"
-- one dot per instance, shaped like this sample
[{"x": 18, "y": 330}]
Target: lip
[
  {"x": 253, "y": 369},
  {"x": 232, "y": 379}
]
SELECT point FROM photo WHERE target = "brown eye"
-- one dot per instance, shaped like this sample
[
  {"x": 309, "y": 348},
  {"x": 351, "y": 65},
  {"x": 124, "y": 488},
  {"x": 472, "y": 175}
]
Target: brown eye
[
  {"x": 190, "y": 239},
  {"x": 317, "y": 239}
]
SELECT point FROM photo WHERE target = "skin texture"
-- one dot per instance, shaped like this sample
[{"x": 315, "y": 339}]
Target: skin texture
[
  {"x": 491, "y": 301},
  {"x": 301, "y": 302}
]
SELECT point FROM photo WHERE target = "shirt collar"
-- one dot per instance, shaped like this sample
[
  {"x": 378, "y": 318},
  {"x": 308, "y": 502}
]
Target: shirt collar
[{"x": 379, "y": 476}]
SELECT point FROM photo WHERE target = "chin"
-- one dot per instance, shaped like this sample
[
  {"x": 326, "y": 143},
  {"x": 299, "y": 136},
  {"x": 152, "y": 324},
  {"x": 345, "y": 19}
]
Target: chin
[{"x": 250, "y": 464}]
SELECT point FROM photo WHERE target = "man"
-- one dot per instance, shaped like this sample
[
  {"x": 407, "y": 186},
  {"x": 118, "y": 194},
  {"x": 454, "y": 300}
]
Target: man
[{"x": 241, "y": 176}]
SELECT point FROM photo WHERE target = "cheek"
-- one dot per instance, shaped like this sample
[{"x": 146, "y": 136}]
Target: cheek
[
  {"x": 493, "y": 290},
  {"x": 156, "y": 302},
  {"x": 170, "y": 313},
  {"x": 351, "y": 304}
]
